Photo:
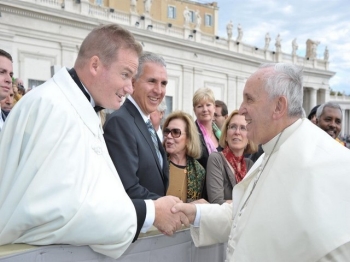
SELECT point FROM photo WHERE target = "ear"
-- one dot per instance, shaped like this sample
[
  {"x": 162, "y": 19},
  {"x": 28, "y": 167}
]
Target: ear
[
  {"x": 94, "y": 65},
  {"x": 317, "y": 121},
  {"x": 281, "y": 107}
]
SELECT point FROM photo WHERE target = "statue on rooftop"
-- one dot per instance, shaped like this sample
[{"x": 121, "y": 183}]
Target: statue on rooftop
[
  {"x": 148, "y": 4},
  {"x": 278, "y": 44},
  {"x": 267, "y": 41},
  {"x": 229, "y": 27},
  {"x": 294, "y": 47},
  {"x": 240, "y": 33}
]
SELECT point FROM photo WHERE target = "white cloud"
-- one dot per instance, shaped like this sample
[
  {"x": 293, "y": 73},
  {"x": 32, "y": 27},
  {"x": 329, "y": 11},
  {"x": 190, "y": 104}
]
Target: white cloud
[{"x": 324, "y": 21}]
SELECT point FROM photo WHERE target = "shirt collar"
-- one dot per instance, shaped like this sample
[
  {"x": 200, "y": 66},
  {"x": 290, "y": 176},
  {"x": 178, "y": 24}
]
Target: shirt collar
[{"x": 144, "y": 117}]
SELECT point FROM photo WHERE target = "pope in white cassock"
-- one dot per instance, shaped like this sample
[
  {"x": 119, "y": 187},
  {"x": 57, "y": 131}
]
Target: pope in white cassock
[
  {"x": 294, "y": 204},
  {"x": 58, "y": 184}
]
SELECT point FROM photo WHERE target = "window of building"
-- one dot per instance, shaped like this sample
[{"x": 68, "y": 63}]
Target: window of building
[
  {"x": 171, "y": 12},
  {"x": 169, "y": 105},
  {"x": 98, "y": 2},
  {"x": 208, "y": 20},
  {"x": 192, "y": 15},
  {"x": 33, "y": 83}
]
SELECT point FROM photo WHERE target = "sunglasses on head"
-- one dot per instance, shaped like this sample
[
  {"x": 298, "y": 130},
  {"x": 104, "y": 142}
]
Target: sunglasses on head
[{"x": 175, "y": 132}]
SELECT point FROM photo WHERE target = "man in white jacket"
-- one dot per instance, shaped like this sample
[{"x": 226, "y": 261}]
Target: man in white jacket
[
  {"x": 293, "y": 205},
  {"x": 58, "y": 184}
]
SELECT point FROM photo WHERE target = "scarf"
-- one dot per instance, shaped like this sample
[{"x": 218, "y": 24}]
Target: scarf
[
  {"x": 209, "y": 143},
  {"x": 234, "y": 161}
]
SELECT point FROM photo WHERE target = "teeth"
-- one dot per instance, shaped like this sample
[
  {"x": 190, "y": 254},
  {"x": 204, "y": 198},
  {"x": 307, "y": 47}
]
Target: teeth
[{"x": 153, "y": 99}]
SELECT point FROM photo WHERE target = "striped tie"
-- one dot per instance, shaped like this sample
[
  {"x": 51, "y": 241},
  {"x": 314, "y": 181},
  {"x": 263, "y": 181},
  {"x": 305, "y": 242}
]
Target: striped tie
[{"x": 155, "y": 141}]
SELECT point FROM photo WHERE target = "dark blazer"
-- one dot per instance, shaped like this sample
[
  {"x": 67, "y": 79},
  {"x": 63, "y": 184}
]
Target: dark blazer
[{"x": 132, "y": 151}]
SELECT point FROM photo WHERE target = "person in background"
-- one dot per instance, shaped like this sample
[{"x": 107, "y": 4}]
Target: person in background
[
  {"x": 58, "y": 184},
  {"x": 227, "y": 168},
  {"x": 329, "y": 118},
  {"x": 209, "y": 134},
  {"x": 293, "y": 205},
  {"x": 133, "y": 145},
  {"x": 181, "y": 142},
  {"x": 6, "y": 73},
  {"x": 18, "y": 89},
  {"x": 157, "y": 118},
  {"x": 312, "y": 114},
  {"x": 221, "y": 113},
  {"x": 7, "y": 104}
]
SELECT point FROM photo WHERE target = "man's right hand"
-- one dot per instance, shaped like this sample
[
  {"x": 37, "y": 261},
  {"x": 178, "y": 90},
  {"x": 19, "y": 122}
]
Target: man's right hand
[{"x": 165, "y": 221}]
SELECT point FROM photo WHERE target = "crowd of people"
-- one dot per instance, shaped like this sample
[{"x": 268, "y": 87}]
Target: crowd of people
[{"x": 262, "y": 178}]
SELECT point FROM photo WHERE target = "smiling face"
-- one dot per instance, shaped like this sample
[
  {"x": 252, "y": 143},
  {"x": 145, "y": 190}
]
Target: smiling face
[
  {"x": 236, "y": 136},
  {"x": 7, "y": 103},
  {"x": 176, "y": 146},
  {"x": 6, "y": 73},
  {"x": 330, "y": 121},
  {"x": 258, "y": 109},
  {"x": 113, "y": 82},
  {"x": 150, "y": 87},
  {"x": 204, "y": 111}
]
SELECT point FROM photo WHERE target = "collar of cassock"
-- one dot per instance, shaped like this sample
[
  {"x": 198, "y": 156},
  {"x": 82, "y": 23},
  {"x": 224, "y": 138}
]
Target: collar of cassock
[{"x": 76, "y": 79}]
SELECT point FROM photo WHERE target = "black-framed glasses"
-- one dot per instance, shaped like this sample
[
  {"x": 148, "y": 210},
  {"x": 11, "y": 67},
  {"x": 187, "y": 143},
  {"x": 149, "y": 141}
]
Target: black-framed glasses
[
  {"x": 235, "y": 127},
  {"x": 175, "y": 132}
]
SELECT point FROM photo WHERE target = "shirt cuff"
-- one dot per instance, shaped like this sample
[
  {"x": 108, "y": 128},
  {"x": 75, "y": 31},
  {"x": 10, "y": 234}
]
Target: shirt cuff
[
  {"x": 198, "y": 216},
  {"x": 150, "y": 215}
]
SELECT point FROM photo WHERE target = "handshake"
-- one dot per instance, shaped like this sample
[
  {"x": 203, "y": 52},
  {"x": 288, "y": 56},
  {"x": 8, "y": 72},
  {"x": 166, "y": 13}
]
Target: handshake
[{"x": 171, "y": 213}]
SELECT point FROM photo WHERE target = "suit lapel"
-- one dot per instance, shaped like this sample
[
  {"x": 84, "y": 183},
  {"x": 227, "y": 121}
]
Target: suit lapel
[{"x": 141, "y": 125}]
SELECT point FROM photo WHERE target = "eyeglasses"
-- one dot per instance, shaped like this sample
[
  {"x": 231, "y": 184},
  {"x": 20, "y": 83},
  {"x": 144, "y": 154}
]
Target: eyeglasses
[
  {"x": 234, "y": 128},
  {"x": 175, "y": 132}
]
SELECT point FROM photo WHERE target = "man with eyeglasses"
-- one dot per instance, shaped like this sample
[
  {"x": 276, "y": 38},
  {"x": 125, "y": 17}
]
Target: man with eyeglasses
[{"x": 220, "y": 113}]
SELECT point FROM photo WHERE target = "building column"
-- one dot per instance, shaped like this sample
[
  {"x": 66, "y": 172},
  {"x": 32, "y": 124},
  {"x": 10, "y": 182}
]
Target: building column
[
  {"x": 231, "y": 93},
  {"x": 69, "y": 53},
  {"x": 240, "y": 82},
  {"x": 187, "y": 89},
  {"x": 312, "y": 98}
]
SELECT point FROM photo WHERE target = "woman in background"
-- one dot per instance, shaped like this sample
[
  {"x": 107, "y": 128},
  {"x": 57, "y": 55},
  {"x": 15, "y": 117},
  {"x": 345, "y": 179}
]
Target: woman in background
[
  {"x": 227, "y": 168},
  {"x": 181, "y": 142}
]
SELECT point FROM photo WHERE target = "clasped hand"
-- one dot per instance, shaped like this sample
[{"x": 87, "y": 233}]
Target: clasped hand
[{"x": 171, "y": 213}]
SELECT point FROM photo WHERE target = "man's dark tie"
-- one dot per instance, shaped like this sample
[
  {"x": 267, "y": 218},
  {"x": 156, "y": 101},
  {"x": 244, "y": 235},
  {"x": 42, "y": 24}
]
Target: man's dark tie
[
  {"x": 155, "y": 141},
  {"x": 76, "y": 79}
]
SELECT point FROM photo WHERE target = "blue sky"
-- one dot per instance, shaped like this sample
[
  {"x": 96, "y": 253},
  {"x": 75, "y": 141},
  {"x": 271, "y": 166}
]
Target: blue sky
[{"x": 327, "y": 21}]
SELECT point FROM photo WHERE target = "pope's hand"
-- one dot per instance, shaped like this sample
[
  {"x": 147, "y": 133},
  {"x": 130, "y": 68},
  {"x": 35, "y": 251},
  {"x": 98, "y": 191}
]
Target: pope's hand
[
  {"x": 189, "y": 209},
  {"x": 165, "y": 221}
]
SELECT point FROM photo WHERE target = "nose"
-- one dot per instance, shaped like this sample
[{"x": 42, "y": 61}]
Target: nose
[
  {"x": 242, "y": 110},
  {"x": 128, "y": 89}
]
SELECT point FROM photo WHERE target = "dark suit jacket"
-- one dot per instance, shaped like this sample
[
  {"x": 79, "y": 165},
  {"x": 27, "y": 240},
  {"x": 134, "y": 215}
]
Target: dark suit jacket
[{"x": 131, "y": 148}]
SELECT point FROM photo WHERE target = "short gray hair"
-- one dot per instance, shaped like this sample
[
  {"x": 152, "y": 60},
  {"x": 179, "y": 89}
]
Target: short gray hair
[
  {"x": 162, "y": 106},
  {"x": 148, "y": 57},
  {"x": 286, "y": 80},
  {"x": 320, "y": 109}
]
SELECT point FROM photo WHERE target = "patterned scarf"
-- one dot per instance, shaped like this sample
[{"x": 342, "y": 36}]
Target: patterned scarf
[
  {"x": 209, "y": 143},
  {"x": 233, "y": 161}
]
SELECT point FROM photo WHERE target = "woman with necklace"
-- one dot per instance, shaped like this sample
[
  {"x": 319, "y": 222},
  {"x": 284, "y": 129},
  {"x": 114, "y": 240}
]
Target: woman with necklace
[
  {"x": 181, "y": 142},
  {"x": 227, "y": 168}
]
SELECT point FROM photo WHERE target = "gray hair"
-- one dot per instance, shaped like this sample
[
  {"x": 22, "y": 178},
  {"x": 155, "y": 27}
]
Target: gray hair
[
  {"x": 286, "y": 80},
  {"x": 148, "y": 57},
  {"x": 320, "y": 109},
  {"x": 162, "y": 106}
]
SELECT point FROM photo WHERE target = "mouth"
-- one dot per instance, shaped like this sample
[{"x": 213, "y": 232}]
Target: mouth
[
  {"x": 331, "y": 133},
  {"x": 154, "y": 99}
]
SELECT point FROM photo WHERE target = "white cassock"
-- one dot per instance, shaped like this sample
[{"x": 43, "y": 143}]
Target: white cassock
[
  {"x": 299, "y": 209},
  {"x": 57, "y": 181}
]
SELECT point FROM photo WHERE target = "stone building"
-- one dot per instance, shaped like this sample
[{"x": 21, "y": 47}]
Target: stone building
[{"x": 44, "y": 35}]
